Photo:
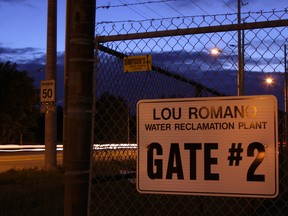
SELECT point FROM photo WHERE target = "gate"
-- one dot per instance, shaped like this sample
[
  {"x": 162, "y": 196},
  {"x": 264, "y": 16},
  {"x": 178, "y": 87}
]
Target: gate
[{"x": 182, "y": 67}]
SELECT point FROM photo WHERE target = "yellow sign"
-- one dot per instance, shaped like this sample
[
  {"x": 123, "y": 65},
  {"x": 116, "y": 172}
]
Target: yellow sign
[
  {"x": 137, "y": 63},
  {"x": 47, "y": 95}
]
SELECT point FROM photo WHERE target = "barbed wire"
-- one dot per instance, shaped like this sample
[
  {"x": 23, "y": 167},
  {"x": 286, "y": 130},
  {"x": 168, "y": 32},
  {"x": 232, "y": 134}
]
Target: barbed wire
[{"x": 249, "y": 14}]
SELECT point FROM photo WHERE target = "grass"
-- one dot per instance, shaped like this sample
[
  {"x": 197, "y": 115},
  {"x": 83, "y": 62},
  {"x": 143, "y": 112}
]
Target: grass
[
  {"x": 39, "y": 192},
  {"x": 31, "y": 192},
  {"x": 111, "y": 195}
]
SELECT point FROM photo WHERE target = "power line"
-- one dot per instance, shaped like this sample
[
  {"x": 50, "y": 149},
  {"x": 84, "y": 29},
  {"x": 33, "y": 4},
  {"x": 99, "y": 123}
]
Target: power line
[
  {"x": 139, "y": 12},
  {"x": 233, "y": 9},
  {"x": 149, "y": 8},
  {"x": 199, "y": 7},
  {"x": 132, "y": 4},
  {"x": 173, "y": 8},
  {"x": 135, "y": 10}
]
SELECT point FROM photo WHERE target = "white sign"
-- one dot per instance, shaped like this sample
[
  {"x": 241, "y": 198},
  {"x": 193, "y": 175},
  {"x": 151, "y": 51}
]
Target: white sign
[
  {"x": 222, "y": 146},
  {"x": 47, "y": 94},
  {"x": 137, "y": 63}
]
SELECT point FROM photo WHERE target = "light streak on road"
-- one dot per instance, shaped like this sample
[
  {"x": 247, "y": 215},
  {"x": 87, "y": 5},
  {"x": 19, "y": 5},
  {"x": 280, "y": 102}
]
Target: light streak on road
[
  {"x": 29, "y": 156},
  {"x": 40, "y": 148},
  {"x": 25, "y": 148},
  {"x": 114, "y": 146}
]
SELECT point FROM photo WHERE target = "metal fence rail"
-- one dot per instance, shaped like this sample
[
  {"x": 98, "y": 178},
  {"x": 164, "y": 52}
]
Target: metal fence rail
[{"x": 182, "y": 67}]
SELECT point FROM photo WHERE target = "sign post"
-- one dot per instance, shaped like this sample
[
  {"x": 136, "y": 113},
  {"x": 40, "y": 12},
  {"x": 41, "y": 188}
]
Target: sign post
[{"x": 225, "y": 146}]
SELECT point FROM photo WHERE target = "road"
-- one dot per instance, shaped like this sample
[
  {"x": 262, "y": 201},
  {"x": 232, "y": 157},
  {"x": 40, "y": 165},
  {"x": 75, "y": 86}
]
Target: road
[
  {"x": 21, "y": 160},
  {"x": 30, "y": 156}
]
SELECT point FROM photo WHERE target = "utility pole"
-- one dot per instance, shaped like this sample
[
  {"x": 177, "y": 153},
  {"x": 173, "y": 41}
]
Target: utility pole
[
  {"x": 78, "y": 126},
  {"x": 66, "y": 75},
  {"x": 51, "y": 62}
]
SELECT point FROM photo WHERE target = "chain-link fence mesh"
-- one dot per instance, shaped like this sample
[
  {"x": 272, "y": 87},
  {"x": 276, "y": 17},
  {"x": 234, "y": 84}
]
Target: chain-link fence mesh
[{"x": 183, "y": 66}]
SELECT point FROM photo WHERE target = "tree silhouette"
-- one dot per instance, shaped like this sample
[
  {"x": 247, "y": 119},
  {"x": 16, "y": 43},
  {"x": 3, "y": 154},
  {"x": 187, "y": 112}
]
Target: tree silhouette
[
  {"x": 18, "y": 98},
  {"x": 111, "y": 120}
]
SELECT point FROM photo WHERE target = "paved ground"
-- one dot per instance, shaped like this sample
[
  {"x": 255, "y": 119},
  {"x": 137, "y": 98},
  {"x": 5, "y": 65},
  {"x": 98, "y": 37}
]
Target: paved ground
[{"x": 21, "y": 160}]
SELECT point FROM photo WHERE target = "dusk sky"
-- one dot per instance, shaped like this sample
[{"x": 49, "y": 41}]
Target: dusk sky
[{"x": 23, "y": 22}]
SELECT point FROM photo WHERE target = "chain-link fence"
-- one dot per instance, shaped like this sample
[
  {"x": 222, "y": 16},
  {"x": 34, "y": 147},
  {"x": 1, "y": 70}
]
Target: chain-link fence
[{"x": 182, "y": 66}]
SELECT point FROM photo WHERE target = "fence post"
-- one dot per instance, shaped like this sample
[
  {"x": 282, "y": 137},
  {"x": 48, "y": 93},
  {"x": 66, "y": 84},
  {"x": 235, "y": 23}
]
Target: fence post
[{"x": 79, "y": 106}]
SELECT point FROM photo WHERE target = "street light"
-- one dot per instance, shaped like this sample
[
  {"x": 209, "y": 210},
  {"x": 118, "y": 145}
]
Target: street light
[
  {"x": 240, "y": 83},
  {"x": 215, "y": 51},
  {"x": 241, "y": 48},
  {"x": 269, "y": 80}
]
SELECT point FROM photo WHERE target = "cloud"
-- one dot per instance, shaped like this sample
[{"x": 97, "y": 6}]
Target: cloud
[
  {"x": 14, "y": 1},
  {"x": 214, "y": 73},
  {"x": 35, "y": 66},
  {"x": 198, "y": 4},
  {"x": 26, "y": 3},
  {"x": 11, "y": 1},
  {"x": 22, "y": 55}
]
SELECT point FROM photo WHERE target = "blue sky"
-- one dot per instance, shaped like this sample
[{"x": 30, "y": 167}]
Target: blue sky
[
  {"x": 23, "y": 23},
  {"x": 23, "y": 28}
]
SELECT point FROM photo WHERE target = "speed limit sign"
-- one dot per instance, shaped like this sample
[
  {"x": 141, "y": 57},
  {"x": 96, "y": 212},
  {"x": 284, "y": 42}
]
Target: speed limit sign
[
  {"x": 47, "y": 95},
  {"x": 221, "y": 146}
]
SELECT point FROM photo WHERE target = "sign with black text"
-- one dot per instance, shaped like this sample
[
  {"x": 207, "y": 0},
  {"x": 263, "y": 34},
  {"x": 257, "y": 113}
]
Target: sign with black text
[
  {"x": 47, "y": 96},
  {"x": 137, "y": 63},
  {"x": 221, "y": 146}
]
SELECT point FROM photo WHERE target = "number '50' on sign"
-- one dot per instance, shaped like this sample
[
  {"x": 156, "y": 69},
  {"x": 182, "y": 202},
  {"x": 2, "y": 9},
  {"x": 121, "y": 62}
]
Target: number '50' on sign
[{"x": 47, "y": 94}]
